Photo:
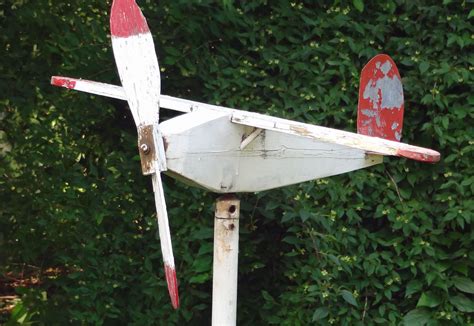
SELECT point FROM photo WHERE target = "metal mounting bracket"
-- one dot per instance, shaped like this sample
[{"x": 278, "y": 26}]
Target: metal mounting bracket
[{"x": 151, "y": 148}]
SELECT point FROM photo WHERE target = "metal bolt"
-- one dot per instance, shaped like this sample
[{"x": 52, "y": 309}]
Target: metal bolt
[{"x": 144, "y": 148}]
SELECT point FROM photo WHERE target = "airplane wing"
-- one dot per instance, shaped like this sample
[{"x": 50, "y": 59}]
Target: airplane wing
[
  {"x": 368, "y": 143},
  {"x": 329, "y": 135}
]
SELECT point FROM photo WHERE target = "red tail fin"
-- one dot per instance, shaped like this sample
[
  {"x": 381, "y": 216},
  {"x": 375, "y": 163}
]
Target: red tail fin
[{"x": 381, "y": 104}]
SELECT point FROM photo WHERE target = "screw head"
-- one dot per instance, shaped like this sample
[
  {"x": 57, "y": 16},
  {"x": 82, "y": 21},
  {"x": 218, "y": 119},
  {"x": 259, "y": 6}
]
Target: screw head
[{"x": 144, "y": 148}]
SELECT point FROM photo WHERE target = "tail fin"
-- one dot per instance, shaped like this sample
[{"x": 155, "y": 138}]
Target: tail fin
[{"x": 381, "y": 103}]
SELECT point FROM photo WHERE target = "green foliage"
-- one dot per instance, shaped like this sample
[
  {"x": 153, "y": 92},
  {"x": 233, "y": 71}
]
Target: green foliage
[{"x": 390, "y": 244}]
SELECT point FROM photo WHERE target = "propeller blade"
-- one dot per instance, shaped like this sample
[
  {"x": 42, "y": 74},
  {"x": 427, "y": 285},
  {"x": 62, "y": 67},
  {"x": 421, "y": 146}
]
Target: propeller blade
[
  {"x": 136, "y": 60},
  {"x": 165, "y": 239},
  {"x": 139, "y": 72}
]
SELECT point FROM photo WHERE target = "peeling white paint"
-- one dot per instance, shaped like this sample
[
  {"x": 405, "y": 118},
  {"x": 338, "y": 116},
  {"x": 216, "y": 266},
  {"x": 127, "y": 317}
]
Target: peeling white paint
[
  {"x": 398, "y": 135},
  {"x": 385, "y": 67},
  {"x": 206, "y": 148},
  {"x": 369, "y": 113},
  {"x": 138, "y": 65},
  {"x": 386, "y": 92},
  {"x": 139, "y": 73}
]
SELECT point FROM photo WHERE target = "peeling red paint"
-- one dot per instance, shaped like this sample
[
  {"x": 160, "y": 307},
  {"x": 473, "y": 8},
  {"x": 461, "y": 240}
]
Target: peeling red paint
[
  {"x": 170, "y": 273},
  {"x": 422, "y": 155},
  {"x": 63, "y": 82},
  {"x": 381, "y": 103},
  {"x": 126, "y": 19}
]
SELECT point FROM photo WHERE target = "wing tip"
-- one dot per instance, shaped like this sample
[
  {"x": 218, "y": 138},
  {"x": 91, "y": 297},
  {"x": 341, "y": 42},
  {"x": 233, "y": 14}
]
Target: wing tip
[
  {"x": 424, "y": 155},
  {"x": 170, "y": 273},
  {"x": 63, "y": 82}
]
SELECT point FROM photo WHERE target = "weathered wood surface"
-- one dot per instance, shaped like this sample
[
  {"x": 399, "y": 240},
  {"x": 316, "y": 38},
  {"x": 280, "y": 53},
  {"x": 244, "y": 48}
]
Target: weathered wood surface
[
  {"x": 336, "y": 137},
  {"x": 381, "y": 102},
  {"x": 136, "y": 60},
  {"x": 370, "y": 144},
  {"x": 139, "y": 72},
  {"x": 225, "y": 264},
  {"x": 205, "y": 148}
]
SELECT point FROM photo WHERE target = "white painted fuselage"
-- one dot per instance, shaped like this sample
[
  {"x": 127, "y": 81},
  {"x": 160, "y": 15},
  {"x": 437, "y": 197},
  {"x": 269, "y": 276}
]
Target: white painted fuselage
[{"x": 204, "y": 149}]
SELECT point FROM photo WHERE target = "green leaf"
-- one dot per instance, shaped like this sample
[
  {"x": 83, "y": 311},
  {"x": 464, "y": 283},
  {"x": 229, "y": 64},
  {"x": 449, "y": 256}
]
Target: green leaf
[
  {"x": 320, "y": 313},
  {"x": 424, "y": 67},
  {"x": 428, "y": 299},
  {"x": 203, "y": 233},
  {"x": 99, "y": 218},
  {"x": 463, "y": 284},
  {"x": 359, "y": 5},
  {"x": 413, "y": 287},
  {"x": 349, "y": 298},
  {"x": 267, "y": 296},
  {"x": 205, "y": 249},
  {"x": 304, "y": 214},
  {"x": 416, "y": 317},
  {"x": 228, "y": 4},
  {"x": 462, "y": 303},
  {"x": 18, "y": 311},
  {"x": 461, "y": 268},
  {"x": 291, "y": 240},
  {"x": 471, "y": 14},
  {"x": 199, "y": 278},
  {"x": 202, "y": 264}
]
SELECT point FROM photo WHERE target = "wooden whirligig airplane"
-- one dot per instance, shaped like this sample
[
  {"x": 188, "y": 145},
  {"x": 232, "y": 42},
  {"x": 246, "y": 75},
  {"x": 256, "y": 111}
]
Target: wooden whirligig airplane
[{"x": 226, "y": 150}]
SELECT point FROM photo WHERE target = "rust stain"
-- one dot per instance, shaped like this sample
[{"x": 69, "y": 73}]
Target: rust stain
[
  {"x": 148, "y": 157},
  {"x": 303, "y": 131},
  {"x": 223, "y": 249},
  {"x": 227, "y": 207},
  {"x": 165, "y": 143}
]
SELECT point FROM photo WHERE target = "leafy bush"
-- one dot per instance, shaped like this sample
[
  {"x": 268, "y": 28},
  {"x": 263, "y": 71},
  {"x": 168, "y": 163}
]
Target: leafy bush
[{"x": 387, "y": 245}]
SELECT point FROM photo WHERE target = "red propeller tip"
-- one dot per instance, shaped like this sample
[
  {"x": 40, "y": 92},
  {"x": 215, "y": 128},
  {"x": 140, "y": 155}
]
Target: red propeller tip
[
  {"x": 170, "y": 273},
  {"x": 126, "y": 19}
]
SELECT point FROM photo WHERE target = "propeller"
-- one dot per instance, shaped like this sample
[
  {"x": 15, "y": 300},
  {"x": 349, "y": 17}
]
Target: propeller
[{"x": 139, "y": 72}]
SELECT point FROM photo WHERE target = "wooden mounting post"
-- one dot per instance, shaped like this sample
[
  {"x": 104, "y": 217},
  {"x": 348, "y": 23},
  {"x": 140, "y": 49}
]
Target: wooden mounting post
[{"x": 226, "y": 256}]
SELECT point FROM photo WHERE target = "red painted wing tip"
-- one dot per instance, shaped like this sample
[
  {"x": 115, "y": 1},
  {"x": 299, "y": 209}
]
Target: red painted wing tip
[
  {"x": 423, "y": 155},
  {"x": 126, "y": 19},
  {"x": 63, "y": 82},
  {"x": 170, "y": 273}
]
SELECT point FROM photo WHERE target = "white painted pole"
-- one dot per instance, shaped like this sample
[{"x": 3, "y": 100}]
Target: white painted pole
[{"x": 226, "y": 256}]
